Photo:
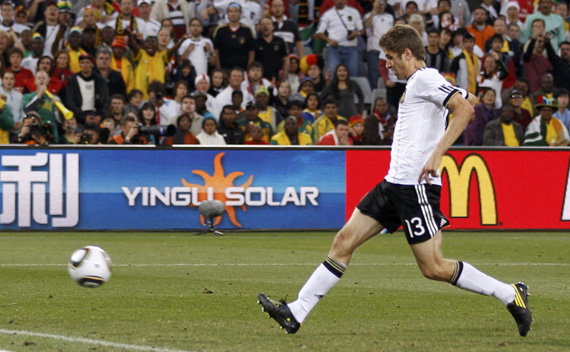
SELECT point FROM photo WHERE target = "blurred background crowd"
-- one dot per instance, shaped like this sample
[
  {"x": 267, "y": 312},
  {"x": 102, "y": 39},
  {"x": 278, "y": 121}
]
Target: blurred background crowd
[{"x": 285, "y": 72}]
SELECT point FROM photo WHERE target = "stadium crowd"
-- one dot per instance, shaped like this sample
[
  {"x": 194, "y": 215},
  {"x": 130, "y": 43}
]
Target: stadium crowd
[{"x": 285, "y": 72}]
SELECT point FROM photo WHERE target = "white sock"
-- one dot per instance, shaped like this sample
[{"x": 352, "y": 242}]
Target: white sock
[
  {"x": 471, "y": 279},
  {"x": 321, "y": 281}
]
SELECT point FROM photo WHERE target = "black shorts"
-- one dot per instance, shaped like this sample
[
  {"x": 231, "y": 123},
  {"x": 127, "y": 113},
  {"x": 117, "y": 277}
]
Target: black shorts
[{"x": 415, "y": 207}]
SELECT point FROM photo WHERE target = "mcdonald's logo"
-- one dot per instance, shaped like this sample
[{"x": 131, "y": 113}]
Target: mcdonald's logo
[{"x": 459, "y": 178}]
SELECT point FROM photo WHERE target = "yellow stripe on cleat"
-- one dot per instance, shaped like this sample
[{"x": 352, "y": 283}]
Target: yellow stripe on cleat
[{"x": 518, "y": 298}]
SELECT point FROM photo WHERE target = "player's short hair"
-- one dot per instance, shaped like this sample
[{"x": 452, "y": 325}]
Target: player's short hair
[{"x": 402, "y": 37}]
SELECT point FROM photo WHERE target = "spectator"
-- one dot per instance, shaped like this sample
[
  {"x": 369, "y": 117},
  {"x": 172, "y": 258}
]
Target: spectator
[
  {"x": 49, "y": 27},
  {"x": 90, "y": 38},
  {"x": 6, "y": 122},
  {"x": 38, "y": 102},
  {"x": 129, "y": 132},
  {"x": 484, "y": 112},
  {"x": 503, "y": 131},
  {"x": 511, "y": 11},
  {"x": 209, "y": 134},
  {"x": 520, "y": 115},
  {"x": 45, "y": 63},
  {"x": 466, "y": 66},
  {"x": 271, "y": 52},
  {"x": 70, "y": 135},
  {"x": 188, "y": 108},
  {"x": 252, "y": 119},
  {"x": 254, "y": 81},
  {"x": 117, "y": 107},
  {"x": 290, "y": 135},
  {"x": 547, "y": 88},
  {"x": 286, "y": 29},
  {"x": 234, "y": 44},
  {"x": 235, "y": 82},
  {"x": 492, "y": 76},
  {"x": 201, "y": 98},
  {"x": 219, "y": 82},
  {"x": 114, "y": 80},
  {"x": 294, "y": 76},
  {"x": 33, "y": 136},
  {"x": 202, "y": 83},
  {"x": 256, "y": 136},
  {"x": 435, "y": 56},
  {"x": 172, "y": 108},
  {"x": 237, "y": 103},
  {"x": 326, "y": 122},
  {"x": 447, "y": 21},
  {"x": 545, "y": 130},
  {"x": 560, "y": 64},
  {"x": 491, "y": 11},
  {"x": 228, "y": 128},
  {"x": 523, "y": 87},
  {"x": 296, "y": 111},
  {"x": 418, "y": 23},
  {"x": 378, "y": 126},
  {"x": 121, "y": 64},
  {"x": 265, "y": 112},
  {"x": 377, "y": 23},
  {"x": 185, "y": 72},
  {"x": 61, "y": 70},
  {"x": 281, "y": 101},
  {"x": 312, "y": 105},
  {"x": 344, "y": 91},
  {"x": 151, "y": 62},
  {"x": 312, "y": 67},
  {"x": 148, "y": 25},
  {"x": 479, "y": 29},
  {"x": 93, "y": 134},
  {"x": 21, "y": 74},
  {"x": 147, "y": 117},
  {"x": 509, "y": 49},
  {"x": 356, "y": 131},
  {"x": 7, "y": 11},
  {"x": 340, "y": 27},
  {"x": 337, "y": 136},
  {"x": 535, "y": 64},
  {"x": 179, "y": 12},
  {"x": 87, "y": 91},
  {"x": 554, "y": 24},
  {"x": 135, "y": 101},
  {"x": 13, "y": 99},
  {"x": 563, "y": 114},
  {"x": 74, "y": 49},
  {"x": 197, "y": 49}
]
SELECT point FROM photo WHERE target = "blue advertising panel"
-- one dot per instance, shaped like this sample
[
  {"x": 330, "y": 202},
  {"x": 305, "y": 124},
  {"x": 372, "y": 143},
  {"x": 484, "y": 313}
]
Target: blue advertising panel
[{"x": 158, "y": 189}]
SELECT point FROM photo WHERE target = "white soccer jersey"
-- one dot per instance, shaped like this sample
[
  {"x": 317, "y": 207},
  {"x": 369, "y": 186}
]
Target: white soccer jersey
[{"x": 420, "y": 126}]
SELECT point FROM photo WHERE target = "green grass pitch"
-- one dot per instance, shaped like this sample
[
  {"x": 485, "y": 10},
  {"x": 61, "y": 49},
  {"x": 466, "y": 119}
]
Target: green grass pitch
[{"x": 179, "y": 292}]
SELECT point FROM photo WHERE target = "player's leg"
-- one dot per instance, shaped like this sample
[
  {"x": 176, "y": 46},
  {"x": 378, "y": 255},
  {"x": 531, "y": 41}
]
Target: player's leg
[
  {"x": 355, "y": 232},
  {"x": 463, "y": 275}
]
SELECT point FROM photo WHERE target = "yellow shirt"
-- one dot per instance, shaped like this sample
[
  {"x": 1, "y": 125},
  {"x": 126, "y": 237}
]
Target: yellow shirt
[
  {"x": 527, "y": 104},
  {"x": 149, "y": 68},
  {"x": 551, "y": 135},
  {"x": 509, "y": 135},
  {"x": 126, "y": 71},
  {"x": 74, "y": 59}
]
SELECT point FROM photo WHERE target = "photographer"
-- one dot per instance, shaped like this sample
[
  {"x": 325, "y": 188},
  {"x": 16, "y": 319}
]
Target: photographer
[
  {"x": 39, "y": 103},
  {"x": 129, "y": 132},
  {"x": 34, "y": 132}
]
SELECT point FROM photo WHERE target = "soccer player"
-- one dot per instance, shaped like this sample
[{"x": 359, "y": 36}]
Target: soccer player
[{"x": 410, "y": 193}]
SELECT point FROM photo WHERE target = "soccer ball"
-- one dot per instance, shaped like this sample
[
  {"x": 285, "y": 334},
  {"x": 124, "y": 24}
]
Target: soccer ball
[{"x": 90, "y": 266}]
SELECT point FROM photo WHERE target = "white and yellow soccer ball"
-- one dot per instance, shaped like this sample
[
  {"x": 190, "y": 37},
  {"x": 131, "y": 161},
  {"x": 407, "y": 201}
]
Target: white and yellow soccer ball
[{"x": 90, "y": 266}]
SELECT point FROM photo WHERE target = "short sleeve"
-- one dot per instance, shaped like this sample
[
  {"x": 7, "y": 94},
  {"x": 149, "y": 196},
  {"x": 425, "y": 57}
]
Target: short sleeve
[{"x": 433, "y": 87}]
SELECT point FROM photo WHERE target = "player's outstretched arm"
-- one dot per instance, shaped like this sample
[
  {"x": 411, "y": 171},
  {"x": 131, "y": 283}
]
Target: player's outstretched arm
[{"x": 463, "y": 112}]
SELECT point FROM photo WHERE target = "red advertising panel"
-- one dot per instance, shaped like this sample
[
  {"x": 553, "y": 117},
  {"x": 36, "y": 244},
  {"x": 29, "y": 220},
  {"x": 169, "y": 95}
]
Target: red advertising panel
[{"x": 482, "y": 189}]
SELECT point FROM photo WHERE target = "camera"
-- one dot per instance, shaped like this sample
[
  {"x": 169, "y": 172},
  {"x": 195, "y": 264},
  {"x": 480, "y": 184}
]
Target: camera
[
  {"x": 85, "y": 138},
  {"x": 159, "y": 130}
]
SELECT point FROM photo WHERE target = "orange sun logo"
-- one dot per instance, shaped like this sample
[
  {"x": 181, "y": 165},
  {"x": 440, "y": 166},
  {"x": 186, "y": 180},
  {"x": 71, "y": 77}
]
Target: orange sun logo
[{"x": 218, "y": 182}]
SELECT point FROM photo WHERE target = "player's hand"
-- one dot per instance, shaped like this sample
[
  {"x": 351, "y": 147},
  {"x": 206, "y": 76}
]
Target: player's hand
[
  {"x": 431, "y": 168},
  {"x": 333, "y": 43}
]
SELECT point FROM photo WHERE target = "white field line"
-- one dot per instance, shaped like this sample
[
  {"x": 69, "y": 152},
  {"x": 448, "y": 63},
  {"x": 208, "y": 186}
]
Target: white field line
[
  {"x": 280, "y": 264},
  {"x": 87, "y": 341}
]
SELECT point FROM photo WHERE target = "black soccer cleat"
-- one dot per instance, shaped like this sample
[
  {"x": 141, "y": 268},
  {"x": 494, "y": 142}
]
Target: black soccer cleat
[
  {"x": 520, "y": 309},
  {"x": 280, "y": 313}
]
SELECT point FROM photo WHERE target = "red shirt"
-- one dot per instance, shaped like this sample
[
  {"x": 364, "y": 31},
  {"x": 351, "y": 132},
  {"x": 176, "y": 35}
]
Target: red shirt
[{"x": 21, "y": 77}]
